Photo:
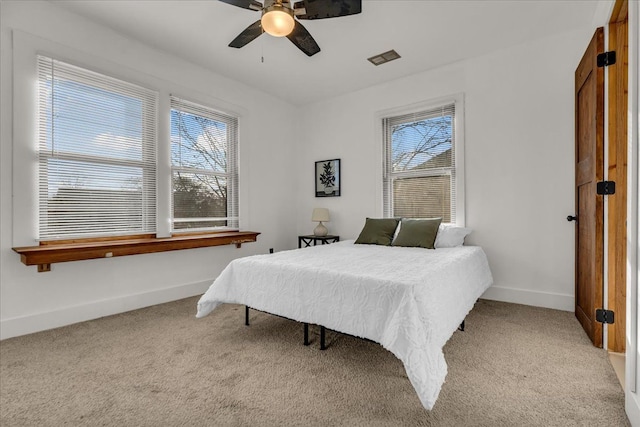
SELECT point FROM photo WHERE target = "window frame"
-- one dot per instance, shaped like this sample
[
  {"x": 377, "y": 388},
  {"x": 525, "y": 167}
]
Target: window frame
[
  {"x": 458, "y": 159},
  {"x": 230, "y": 175},
  {"x": 148, "y": 146}
]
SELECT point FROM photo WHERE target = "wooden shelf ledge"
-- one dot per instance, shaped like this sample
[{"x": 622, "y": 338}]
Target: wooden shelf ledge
[{"x": 46, "y": 254}]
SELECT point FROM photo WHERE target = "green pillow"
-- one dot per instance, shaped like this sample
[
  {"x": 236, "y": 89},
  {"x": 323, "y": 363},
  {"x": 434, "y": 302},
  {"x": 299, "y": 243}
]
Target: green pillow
[
  {"x": 378, "y": 231},
  {"x": 418, "y": 233}
]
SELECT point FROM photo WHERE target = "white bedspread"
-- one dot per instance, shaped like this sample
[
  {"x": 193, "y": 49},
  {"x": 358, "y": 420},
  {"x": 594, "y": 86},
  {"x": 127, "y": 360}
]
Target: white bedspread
[{"x": 410, "y": 300}]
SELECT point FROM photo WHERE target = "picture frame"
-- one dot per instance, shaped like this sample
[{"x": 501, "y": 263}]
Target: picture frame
[{"x": 327, "y": 178}]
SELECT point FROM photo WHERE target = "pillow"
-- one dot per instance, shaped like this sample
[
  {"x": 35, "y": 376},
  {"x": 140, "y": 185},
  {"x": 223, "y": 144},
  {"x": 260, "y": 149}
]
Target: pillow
[
  {"x": 378, "y": 231},
  {"x": 417, "y": 233},
  {"x": 450, "y": 236}
]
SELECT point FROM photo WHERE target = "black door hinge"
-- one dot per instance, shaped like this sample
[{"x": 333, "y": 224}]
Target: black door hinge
[
  {"x": 606, "y": 188},
  {"x": 604, "y": 316},
  {"x": 605, "y": 59}
]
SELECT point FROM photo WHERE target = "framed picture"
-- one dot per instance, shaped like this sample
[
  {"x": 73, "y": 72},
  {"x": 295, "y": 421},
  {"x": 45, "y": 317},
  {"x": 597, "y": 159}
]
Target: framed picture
[{"x": 327, "y": 175}]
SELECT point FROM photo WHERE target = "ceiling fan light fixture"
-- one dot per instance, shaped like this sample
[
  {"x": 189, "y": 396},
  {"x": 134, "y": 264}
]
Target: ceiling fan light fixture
[{"x": 277, "y": 20}]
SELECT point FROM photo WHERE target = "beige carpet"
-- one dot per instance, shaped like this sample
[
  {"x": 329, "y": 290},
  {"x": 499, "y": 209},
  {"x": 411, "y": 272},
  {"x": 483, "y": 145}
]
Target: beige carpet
[{"x": 513, "y": 366}]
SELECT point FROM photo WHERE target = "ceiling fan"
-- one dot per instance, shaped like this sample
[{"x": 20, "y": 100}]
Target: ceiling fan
[{"x": 278, "y": 19}]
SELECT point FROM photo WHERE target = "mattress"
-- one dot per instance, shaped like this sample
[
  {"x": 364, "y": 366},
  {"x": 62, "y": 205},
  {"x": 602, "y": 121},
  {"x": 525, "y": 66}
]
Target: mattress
[{"x": 410, "y": 300}]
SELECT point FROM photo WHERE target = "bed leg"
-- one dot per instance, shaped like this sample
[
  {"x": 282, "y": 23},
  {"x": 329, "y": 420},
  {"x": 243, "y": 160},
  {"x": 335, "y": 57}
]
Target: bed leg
[
  {"x": 461, "y": 327},
  {"x": 322, "y": 336},
  {"x": 306, "y": 334},
  {"x": 246, "y": 315}
]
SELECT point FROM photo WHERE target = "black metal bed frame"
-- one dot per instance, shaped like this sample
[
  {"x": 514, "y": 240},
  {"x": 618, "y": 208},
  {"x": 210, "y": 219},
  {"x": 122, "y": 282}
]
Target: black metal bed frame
[
  {"x": 306, "y": 327},
  {"x": 322, "y": 329}
]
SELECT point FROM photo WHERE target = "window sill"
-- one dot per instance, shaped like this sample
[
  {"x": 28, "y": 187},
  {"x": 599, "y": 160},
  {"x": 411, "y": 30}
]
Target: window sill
[{"x": 46, "y": 254}]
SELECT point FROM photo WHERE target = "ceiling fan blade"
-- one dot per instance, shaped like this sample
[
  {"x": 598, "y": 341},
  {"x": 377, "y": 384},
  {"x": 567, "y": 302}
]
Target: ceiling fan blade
[
  {"x": 248, "y": 35},
  {"x": 245, "y": 4},
  {"x": 320, "y": 9},
  {"x": 303, "y": 40}
]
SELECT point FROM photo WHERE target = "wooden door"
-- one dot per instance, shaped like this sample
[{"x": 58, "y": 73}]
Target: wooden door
[{"x": 589, "y": 105}]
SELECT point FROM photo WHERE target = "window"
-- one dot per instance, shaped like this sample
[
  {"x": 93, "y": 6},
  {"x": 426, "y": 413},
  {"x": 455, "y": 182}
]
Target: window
[
  {"x": 96, "y": 152},
  {"x": 93, "y": 167},
  {"x": 420, "y": 159},
  {"x": 204, "y": 167}
]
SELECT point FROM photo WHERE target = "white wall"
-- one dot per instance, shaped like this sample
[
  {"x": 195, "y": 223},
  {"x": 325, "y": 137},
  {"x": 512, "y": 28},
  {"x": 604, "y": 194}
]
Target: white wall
[
  {"x": 519, "y": 170},
  {"x": 519, "y": 154},
  {"x": 76, "y": 291}
]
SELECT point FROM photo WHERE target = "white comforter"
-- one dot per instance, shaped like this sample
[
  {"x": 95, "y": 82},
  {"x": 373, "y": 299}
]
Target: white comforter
[{"x": 410, "y": 300}]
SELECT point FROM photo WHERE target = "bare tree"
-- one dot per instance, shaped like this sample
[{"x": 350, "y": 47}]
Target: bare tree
[
  {"x": 419, "y": 142},
  {"x": 202, "y": 146},
  {"x": 419, "y": 146}
]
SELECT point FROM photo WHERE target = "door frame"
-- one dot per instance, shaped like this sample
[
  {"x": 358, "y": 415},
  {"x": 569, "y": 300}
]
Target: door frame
[
  {"x": 632, "y": 397},
  {"x": 617, "y": 88}
]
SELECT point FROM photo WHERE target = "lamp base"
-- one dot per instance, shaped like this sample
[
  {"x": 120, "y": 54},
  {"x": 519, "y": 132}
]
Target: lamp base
[{"x": 320, "y": 230}]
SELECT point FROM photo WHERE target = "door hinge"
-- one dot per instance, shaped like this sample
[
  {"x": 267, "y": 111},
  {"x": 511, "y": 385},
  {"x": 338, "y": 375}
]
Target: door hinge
[
  {"x": 607, "y": 58},
  {"x": 606, "y": 188},
  {"x": 604, "y": 316}
]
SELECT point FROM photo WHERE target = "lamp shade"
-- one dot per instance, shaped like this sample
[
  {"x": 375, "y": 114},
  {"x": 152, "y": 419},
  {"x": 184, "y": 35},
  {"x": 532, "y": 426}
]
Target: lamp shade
[
  {"x": 278, "y": 20},
  {"x": 320, "y": 214}
]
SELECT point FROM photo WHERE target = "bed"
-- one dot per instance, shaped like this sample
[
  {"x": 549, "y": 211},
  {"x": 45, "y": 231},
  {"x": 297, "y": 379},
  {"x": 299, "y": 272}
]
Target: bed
[{"x": 409, "y": 300}]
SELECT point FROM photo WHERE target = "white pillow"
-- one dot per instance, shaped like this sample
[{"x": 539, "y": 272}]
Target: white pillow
[{"x": 450, "y": 236}]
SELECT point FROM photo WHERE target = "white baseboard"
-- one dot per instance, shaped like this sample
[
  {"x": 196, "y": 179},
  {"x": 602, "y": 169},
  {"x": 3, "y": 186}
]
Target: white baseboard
[
  {"x": 54, "y": 319},
  {"x": 528, "y": 297}
]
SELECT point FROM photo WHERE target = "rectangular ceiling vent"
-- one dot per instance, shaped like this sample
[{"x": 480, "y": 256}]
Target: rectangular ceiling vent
[{"x": 384, "y": 57}]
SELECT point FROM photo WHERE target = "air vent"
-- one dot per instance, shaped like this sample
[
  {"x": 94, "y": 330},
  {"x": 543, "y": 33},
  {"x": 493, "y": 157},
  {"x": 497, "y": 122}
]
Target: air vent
[{"x": 384, "y": 57}]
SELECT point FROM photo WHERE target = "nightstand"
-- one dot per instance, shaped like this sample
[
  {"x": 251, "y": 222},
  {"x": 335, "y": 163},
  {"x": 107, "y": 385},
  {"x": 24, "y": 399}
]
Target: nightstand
[{"x": 308, "y": 239}]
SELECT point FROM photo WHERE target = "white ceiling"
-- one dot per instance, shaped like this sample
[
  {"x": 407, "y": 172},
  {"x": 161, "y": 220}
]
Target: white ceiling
[{"x": 427, "y": 34}]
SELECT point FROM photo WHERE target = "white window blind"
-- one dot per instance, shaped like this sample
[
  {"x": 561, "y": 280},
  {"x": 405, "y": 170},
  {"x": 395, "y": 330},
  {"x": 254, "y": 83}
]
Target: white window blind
[
  {"x": 419, "y": 164},
  {"x": 97, "y": 163},
  {"x": 204, "y": 164}
]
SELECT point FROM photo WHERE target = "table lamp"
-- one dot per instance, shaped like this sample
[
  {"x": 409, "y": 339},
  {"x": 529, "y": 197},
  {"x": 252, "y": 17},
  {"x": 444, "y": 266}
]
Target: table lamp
[{"x": 320, "y": 215}]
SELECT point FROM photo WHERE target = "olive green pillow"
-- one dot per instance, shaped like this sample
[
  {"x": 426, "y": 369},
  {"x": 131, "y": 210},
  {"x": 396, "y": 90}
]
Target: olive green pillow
[
  {"x": 378, "y": 231},
  {"x": 418, "y": 233}
]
